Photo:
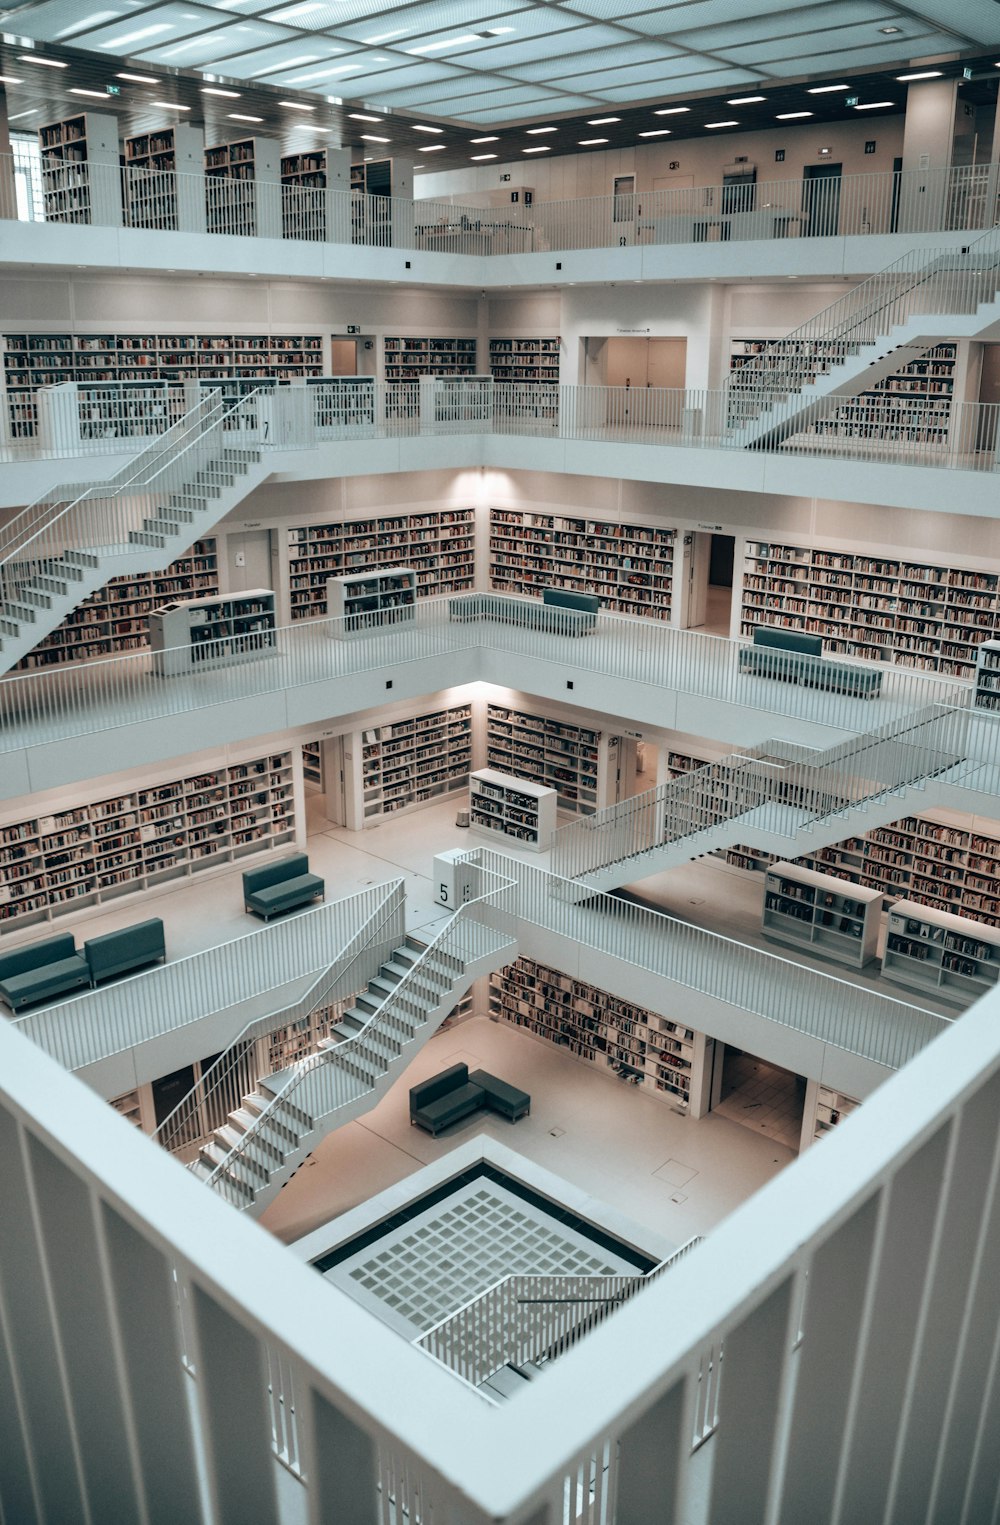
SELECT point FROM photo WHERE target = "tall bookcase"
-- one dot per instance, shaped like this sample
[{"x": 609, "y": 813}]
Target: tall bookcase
[
  {"x": 988, "y": 676},
  {"x": 108, "y": 846},
  {"x": 916, "y": 614},
  {"x": 662, "y": 1055},
  {"x": 556, "y": 753},
  {"x": 164, "y": 179},
  {"x": 535, "y": 361},
  {"x": 381, "y": 201},
  {"x": 438, "y": 544},
  {"x": 243, "y": 188},
  {"x": 81, "y": 182},
  {"x": 409, "y": 762},
  {"x": 314, "y": 194},
  {"x": 629, "y": 566},
  {"x": 409, "y": 358},
  {"x": 116, "y": 617}
]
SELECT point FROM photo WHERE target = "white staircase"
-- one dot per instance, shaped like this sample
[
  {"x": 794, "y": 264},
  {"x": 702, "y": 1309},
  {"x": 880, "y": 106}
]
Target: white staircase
[
  {"x": 787, "y": 807},
  {"x": 69, "y": 543},
  {"x": 264, "y": 1140}
]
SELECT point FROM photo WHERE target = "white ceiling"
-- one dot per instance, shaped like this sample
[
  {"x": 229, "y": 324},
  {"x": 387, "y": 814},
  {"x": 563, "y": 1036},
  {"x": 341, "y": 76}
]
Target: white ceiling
[{"x": 484, "y": 64}]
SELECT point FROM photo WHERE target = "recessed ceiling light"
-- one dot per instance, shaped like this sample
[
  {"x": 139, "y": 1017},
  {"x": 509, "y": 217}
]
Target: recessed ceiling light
[
  {"x": 722, "y": 124},
  {"x": 236, "y": 116},
  {"x": 888, "y": 31},
  {"x": 825, "y": 89},
  {"x": 17, "y": 115},
  {"x": 173, "y": 106},
  {"x": 589, "y": 142},
  {"x": 446, "y": 42},
  {"x": 419, "y": 127},
  {"x": 359, "y": 116},
  {"x": 8, "y": 79},
  {"x": 308, "y": 79},
  {"x": 497, "y": 140},
  {"x": 476, "y": 157},
  {"x": 671, "y": 110},
  {"x": 296, "y": 106},
  {"x": 373, "y": 42},
  {"x": 926, "y": 74},
  {"x": 496, "y": 31},
  {"x": 50, "y": 63},
  {"x": 432, "y": 148},
  {"x": 292, "y": 12},
  {"x": 534, "y": 132},
  {"x": 130, "y": 37},
  {"x": 97, "y": 95},
  {"x": 369, "y": 137},
  {"x": 232, "y": 95},
  {"x": 542, "y": 148},
  {"x": 874, "y": 105},
  {"x": 601, "y": 121},
  {"x": 790, "y": 116},
  {"x": 657, "y": 132},
  {"x": 138, "y": 79},
  {"x": 746, "y": 100}
]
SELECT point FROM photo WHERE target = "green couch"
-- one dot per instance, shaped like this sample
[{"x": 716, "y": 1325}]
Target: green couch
[
  {"x": 281, "y": 886},
  {"x": 795, "y": 656},
  {"x": 41, "y": 971}
]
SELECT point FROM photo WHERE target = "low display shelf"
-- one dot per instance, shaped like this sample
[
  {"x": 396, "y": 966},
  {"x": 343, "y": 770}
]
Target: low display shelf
[
  {"x": 203, "y": 633},
  {"x": 988, "y": 676},
  {"x": 831, "y": 1109},
  {"x": 934, "y": 951},
  {"x": 663, "y": 1056},
  {"x": 512, "y": 807},
  {"x": 810, "y": 910},
  {"x": 371, "y": 600}
]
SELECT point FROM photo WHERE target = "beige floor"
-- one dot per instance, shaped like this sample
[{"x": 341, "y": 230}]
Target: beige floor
[{"x": 762, "y": 1097}]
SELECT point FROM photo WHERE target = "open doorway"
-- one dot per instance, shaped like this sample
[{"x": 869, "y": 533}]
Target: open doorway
[
  {"x": 707, "y": 582},
  {"x": 352, "y": 357},
  {"x": 645, "y": 363},
  {"x": 631, "y": 767},
  {"x": 758, "y": 1095},
  {"x": 821, "y": 200},
  {"x": 323, "y": 775}
]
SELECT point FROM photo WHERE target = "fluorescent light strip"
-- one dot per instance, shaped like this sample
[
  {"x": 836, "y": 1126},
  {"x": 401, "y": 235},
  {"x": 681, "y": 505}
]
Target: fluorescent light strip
[
  {"x": 19, "y": 114},
  {"x": 657, "y": 132},
  {"x": 746, "y": 100},
  {"x": 359, "y": 116},
  {"x": 671, "y": 110},
  {"x": 601, "y": 121},
  {"x": 497, "y": 140},
  {"x": 825, "y": 89},
  {"x": 97, "y": 95},
  {"x": 874, "y": 105},
  {"x": 139, "y": 79},
  {"x": 170, "y": 106},
  {"x": 292, "y": 12},
  {"x": 296, "y": 106},
  {"x": 543, "y": 148},
  {"x": 477, "y": 157},
  {"x": 927, "y": 74},
  {"x": 535, "y": 132},
  {"x": 722, "y": 124},
  {"x": 589, "y": 142},
  {"x": 8, "y": 79},
  {"x": 791, "y": 116},
  {"x": 419, "y": 127},
  {"x": 446, "y": 42},
  {"x": 50, "y": 63},
  {"x": 232, "y": 95},
  {"x": 369, "y": 137},
  {"x": 432, "y": 148},
  {"x": 235, "y": 116}
]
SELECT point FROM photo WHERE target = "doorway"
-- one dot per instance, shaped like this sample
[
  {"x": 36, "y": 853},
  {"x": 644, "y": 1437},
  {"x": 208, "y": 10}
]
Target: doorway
[
  {"x": 343, "y": 357},
  {"x": 989, "y": 391},
  {"x": 637, "y": 363},
  {"x": 760, "y": 1096},
  {"x": 821, "y": 199},
  {"x": 631, "y": 767},
  {"x": 707, "y": 582}
]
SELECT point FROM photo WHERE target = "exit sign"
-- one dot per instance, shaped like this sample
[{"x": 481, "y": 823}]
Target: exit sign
[
  {"x": 113, "y": 89},
  {"x": 852, "y": 100}
]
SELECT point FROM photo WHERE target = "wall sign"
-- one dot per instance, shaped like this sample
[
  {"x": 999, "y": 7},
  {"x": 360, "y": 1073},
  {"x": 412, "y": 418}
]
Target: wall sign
[
  {"x": 870, "y": 146},
  {"x": 779, "y": 156},
  {"x": 632, "y": 330}
]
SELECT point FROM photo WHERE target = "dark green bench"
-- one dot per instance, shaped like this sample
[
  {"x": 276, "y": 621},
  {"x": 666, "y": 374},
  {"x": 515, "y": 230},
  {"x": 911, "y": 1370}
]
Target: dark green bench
[
  {"x": 446, "y": 1098},
  {"x": 795, "y": 656},
  {"x": 550, "y": 616},
  {"x": 41, "y": 971},
  {"x": 281, "y": 886},
  {"x": 121, "y": 952}
]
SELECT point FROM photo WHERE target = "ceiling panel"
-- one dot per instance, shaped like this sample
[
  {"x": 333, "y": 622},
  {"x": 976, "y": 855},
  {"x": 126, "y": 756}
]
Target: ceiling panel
[
  {"x": 63, "y": 19},
  {"x": 977, "y": 19},
  {"x": 418, "y": 21}
]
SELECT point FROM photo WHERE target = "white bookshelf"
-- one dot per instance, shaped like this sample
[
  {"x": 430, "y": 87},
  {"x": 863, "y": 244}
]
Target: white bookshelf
[
  {"x": 202, "y": 633},
  {"x": 512, "y": 807},
  {"x": 243, "y": 188},
  {"x": 315, "y": 189},
  {"x": 312, "y": 765},
  {"x": 407, "y": 763},
  {"x": 81, "y": 180},
  {"x": 805, "y": 909},
  {"x": 629, "y": 566},
  {"x": 935, "y": 951},
  {"x": 437, "y": 544},
  {"x": 555, "y": 753},
  {"x": 988, "y": 676},
  {"x": 164, "y": 179},
  {"x": 371, "y": 600},
  {"x": 408, "y": 358},
  {"x": 109, "y": 846}
]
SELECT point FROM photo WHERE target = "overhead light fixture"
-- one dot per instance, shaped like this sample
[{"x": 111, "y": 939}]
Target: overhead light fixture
[
  {"x": 746, "y": 100},
  {"x": 542, "y": 148},
  {"x": 657, "y": 132},
  {"x": 236, "y": 116},
  {"x": 138, "y": 79},
  {"x": 359, "y": 116},
  {"x": 722, "y": 124},
  {"x": 17, "y": 115},
  {"x": 589, "y": 142},
  {"x": 36, "y": 58},
  {"x": 925, "y": 74},
  {"x": 671, "y": 110},
  {"x": 373, "y": 42},
  {"x": 369, "y": 137},
  {"x": 825, "y": 89},
  {"x": 496, "y": 31},
  {"x": 889, "y": 31},
  {"x": 534, "y": 132},
  {"x": 296, "y": 106},
  {"x": 477, "y": 157},
  {"x": 497, "y": 140},
  {"x": 601, "y": 121},
  {"x": 446, "y": 42},
  {"x": 791, "y": 116},
  {"x": 130, "y": 37},
  {"x": 874, "y": 105},
  {"x": 232, "y": 95},
  {"x": 8, "y": 79},
  {"x": 419, "y": 127},
  {"x": 432, "y": 148},
  {"x": 97, "y": 95},
  {"x": 293, "y": 12},
  {"x": 172, "y": 106}
]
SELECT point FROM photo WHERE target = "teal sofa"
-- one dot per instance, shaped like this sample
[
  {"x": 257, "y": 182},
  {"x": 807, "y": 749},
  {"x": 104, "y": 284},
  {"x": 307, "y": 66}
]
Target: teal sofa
[
  {"x": 552, "y": 616},
  {"x": 795, "y": 656},
  {"x": 41, "y": 971},
  {"x": 282, "y": 886},
  {"x": 115, "y": 953}
]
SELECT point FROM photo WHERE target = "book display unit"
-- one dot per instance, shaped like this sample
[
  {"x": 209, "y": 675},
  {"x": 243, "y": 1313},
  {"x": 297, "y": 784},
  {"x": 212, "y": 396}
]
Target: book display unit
[
  {"x": 437, "y": 544},
  {"x": 201, "y": 633},
  {"x": 81, "y": 181},
  {"x": 915, "y": 614},
  {"x": 312, "y": 765},
  {"x": 312, "y": 185},
  {"x": 934, "y": 951},
  {"x": 511, "y": 807},
  {"x": 116, "y": 617},
  {"x": 371, "y": 600},
  {"x": 107, "y": 847},
  {"x": 555, "y": 753},
  {"x": 651, "y": 1051},
  {"x": 629, "y": 566},
  {"x": 407, "y": 359},
  {"x": 243, "y": 188},
  {"x": 164, "y": 179},
  {"x": 535, "y": 361},
  {"x": 988, "y": 676},
  {"x": 411, "y": 762},
  {"x": 810, "y": 910}
]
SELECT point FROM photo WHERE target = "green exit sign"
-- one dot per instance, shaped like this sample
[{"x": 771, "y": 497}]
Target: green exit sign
[
  {"x": 852, "y": 100},
  {"x": 113, "y": 89}
]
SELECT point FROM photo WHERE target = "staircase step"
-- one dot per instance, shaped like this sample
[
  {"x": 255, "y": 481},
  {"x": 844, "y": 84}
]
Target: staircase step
[
  {"x": 35, "y": 597},
  {"x": 145, "y": 537},
  {"x": 81, "y": 559},
  {"x": 237, "y": 1168},
  {"x": 25, "y": 614},
  {"x": 266, "y": 1149}
]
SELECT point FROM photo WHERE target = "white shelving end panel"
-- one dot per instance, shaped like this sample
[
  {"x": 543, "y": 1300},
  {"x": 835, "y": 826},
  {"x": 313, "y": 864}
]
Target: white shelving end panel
[
  {"x": 365, "y": 601},
  {"x": 806, "y": 909},
  {"x": 500, "y": 805}
]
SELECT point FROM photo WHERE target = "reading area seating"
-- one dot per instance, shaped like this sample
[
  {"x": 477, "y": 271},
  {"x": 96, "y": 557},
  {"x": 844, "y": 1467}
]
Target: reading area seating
[
  {"x": 281, "y": 886},
  {"x": 446, "y": 1098},
  {"x": 797, "y": 657},
  {"x": 560, "y": 612}
]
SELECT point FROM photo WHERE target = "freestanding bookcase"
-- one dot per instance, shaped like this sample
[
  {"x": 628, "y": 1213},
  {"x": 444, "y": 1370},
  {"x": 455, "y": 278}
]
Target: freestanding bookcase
[
  {"x": 203, "y": 633},
  {"x": 817, "y": 911},
  {"x": 81, "y": 179},
  {"x": 937, "y": 952},
  {"x": 512, "y": 807},
  {"x": 371, "y": 600},
  {"x": 165, "y": 179}
]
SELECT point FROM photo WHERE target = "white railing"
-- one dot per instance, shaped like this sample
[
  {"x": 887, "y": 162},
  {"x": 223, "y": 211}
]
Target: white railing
[
  {"x": 223, "y": 1085},
  {"x": 820, "y": 1006},
  {"x": 964, "y": 198},
  {"x": 47, "y": 704},
  {"x": 233, "y": 976},
  {"x": 331, "y": 1079},
  {"x": 531, "y": 1318},
  {"x": 781, "y": 798}
]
